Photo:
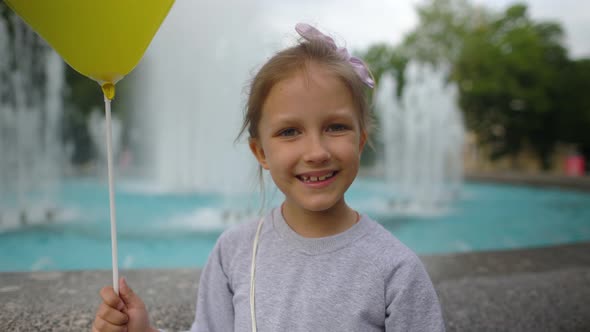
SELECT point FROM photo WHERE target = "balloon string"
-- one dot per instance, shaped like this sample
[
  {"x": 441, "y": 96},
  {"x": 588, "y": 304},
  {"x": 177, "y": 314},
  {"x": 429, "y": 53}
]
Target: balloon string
[{"x": 107, "y": 103}]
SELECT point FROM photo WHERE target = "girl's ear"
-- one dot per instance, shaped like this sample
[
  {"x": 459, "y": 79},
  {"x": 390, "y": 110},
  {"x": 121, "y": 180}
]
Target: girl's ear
[
  {"x": 258, "y": 152},
  {"x": 362, "y": 141}
]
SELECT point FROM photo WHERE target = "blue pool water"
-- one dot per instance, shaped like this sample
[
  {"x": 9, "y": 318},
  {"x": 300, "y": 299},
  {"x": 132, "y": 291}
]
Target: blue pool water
[{"x": 171, "y": 231}]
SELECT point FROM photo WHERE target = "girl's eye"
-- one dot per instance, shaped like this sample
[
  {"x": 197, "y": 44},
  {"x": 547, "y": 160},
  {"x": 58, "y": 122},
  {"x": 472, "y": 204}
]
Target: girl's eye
[
  {"x": 337, "y": 127},
  {"x": 288, "y": 132}
]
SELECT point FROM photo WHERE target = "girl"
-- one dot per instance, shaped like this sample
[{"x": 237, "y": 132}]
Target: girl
[{"x": 314, "y": 263}]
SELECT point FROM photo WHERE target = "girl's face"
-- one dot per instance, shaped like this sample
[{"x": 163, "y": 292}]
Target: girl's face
[{"x": 310, "y": 139}]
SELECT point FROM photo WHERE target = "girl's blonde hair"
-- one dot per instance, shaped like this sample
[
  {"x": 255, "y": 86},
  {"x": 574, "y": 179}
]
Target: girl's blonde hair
[{"x": 295, "y": 59}]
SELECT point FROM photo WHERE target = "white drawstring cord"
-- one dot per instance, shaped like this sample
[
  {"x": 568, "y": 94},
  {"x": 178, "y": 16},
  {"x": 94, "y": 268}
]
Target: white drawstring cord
[{"x": 253, "y": 275}]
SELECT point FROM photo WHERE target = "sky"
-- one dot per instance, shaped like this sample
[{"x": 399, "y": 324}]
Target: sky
[{"x": 360, "y": 23}]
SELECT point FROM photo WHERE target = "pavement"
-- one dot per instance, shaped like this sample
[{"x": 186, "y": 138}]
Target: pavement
[{"x": 542, "y": 289}]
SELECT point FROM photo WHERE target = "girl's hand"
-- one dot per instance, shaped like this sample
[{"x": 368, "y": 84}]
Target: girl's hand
[{"x": 124, "y": 313}]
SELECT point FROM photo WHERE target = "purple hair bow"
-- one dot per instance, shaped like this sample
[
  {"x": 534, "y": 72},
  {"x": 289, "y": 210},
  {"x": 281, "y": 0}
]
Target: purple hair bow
[{"x": 310, "y": 33}]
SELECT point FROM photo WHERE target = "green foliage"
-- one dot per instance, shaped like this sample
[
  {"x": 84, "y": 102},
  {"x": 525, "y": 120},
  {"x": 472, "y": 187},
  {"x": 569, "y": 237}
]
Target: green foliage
[
  {"x": 442, "y": 27},
  {"x": 573, "y": 110},
  {"x": 508, "y": 73},
  {"x": 382, "y": 58},
  {"x": 516, "y": 83}
]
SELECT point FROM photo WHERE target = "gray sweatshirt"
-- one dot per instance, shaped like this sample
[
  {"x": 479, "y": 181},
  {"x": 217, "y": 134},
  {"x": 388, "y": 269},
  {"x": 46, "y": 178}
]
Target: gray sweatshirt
[{"x": 363, "y": 279}]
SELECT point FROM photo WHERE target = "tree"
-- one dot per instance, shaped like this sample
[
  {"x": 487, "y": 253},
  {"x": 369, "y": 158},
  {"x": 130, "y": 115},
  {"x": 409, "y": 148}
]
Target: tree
[
  {"x": 382, "y": 59},
  {"x": 441, "y": 31},
  {"x": 517, "y": 86},
  {"x": 573, "y": 109},
  {"x": 507, "y": 73}
]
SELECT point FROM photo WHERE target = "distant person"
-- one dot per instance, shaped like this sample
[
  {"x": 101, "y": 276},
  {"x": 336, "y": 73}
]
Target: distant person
[
  {"x": 575, "y": 165},
  {"x": 313, "y": 263}
]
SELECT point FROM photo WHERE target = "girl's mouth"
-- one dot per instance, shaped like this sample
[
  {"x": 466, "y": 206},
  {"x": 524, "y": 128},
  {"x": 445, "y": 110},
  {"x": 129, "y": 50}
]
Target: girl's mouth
[{"x": 315, "y": 179}]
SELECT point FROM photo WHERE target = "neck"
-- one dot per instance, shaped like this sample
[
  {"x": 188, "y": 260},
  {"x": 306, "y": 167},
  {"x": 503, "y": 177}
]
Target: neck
[{"x": 316, "y": 224}]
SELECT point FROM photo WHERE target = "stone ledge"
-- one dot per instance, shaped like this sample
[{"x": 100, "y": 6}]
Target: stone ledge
[
  {"x": 543, "y": 289},
  {"x": 580, "y": 183}
]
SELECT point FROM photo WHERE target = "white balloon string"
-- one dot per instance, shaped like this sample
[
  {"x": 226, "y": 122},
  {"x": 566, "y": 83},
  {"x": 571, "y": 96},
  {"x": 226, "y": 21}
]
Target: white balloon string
[{"x": 107, "y": 103}]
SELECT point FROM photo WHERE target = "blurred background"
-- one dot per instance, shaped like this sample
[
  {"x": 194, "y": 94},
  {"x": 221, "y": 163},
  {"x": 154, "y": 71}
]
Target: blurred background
[{"x": 464, "y": 89}]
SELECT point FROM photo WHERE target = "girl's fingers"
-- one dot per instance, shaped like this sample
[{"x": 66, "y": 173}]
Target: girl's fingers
[
  {"x": 112, "y": 316},
  {"x": 111, "y": 298},
  {"x": 101, "y": 325}
]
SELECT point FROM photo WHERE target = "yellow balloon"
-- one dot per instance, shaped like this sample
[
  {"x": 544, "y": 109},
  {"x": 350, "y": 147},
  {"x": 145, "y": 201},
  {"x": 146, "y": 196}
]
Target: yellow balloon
[{"x": 101, "y": 39}]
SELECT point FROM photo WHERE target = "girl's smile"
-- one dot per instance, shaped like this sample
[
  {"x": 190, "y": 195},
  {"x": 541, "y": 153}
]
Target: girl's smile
[{"x": 318, "y": 180}]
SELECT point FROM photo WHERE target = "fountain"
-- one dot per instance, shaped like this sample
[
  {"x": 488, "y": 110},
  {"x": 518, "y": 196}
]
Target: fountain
[
  {"x": 31, "y": 155},
  {"x": 423, "y": 140},
  {"x": 187, "y": 97}
]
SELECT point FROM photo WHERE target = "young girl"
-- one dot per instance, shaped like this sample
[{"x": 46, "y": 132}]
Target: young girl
[{"x": 314, "y": 263}]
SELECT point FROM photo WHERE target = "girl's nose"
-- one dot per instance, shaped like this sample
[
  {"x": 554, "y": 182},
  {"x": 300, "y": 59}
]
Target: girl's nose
[{"x": 316, "y": 151}]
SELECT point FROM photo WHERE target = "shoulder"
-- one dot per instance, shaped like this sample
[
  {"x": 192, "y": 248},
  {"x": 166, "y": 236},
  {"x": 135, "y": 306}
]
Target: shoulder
[
  {"x": 233, "y": 246},
  {"x": 401, "y": 269},
  {"x": 238, "y": 235},
  {"x": 238, "y": 231},
  {"x": 386, "y": 251}
]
